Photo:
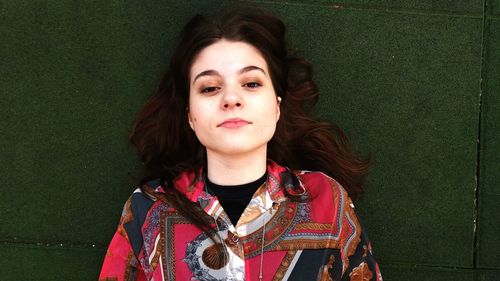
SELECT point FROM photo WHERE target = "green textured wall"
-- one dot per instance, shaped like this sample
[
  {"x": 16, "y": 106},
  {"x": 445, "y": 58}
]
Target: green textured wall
[{"x": 415, "y": 82}]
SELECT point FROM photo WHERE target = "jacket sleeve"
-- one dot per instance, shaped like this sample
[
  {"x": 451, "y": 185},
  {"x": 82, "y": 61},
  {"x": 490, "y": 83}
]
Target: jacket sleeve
[
  {"x": 120, "y": 262},
  {"x": 358, "y": 260}
]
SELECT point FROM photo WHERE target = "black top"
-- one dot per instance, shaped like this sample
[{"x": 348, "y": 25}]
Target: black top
[{"x": 235, "y": 198}]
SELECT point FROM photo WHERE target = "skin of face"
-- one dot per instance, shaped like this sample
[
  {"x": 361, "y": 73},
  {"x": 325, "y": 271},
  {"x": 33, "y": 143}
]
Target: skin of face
[{"x": 233, "y": 108}]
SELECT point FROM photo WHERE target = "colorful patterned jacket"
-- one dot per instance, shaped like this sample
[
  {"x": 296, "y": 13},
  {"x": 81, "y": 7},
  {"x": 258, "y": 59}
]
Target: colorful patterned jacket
[{"x": 281, "y": 239}]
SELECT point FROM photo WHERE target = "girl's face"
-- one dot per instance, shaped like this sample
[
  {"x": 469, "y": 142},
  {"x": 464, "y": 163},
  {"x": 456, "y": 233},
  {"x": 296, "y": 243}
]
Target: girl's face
[{"x": 233, "y": 108}]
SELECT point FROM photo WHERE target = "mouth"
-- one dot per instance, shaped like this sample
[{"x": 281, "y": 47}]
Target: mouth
[{"x": 234, "y": 123}]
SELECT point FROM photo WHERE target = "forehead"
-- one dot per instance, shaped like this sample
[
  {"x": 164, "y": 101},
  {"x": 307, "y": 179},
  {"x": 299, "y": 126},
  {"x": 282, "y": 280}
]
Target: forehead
[{"x": 227, "y": 57}]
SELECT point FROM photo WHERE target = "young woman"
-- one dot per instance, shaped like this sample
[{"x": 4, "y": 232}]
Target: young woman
[{"x": 241, "y": 183}]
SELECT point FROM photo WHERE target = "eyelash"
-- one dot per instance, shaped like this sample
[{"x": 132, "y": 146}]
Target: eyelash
[
  {"x": 212, "y": 89},
  {"x": 254, "y": 83},
  {"x": 208, "y": 90}
]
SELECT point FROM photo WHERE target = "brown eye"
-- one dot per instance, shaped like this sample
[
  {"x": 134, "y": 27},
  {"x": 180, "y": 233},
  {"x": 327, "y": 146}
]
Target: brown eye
[
  {"x": 252, "y": 85},
  {"x": 208, "y": 90}
]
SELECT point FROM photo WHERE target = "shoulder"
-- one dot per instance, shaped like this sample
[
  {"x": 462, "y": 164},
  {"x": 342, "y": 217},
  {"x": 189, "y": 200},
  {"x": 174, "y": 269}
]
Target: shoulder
[
  {"x": 328, "y": 194},
  {"x": 137, "y": 212},
  {"x": 138, "y": 204},
  {"x": 142, "y": 200},
  {"x": 318, "y": 184},
  {"x": 328, "y": 200}
]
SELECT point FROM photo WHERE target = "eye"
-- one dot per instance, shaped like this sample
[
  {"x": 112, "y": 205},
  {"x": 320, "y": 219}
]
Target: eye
[
  {"x": 208, "y": 90},
  {"x": 252, "y": 85}
]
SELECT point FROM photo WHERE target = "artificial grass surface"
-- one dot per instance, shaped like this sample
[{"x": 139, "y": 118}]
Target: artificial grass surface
[
  {"x": 489, "y": 181},
  {"x": 404, "y": 85},
  {"x": 470, "y": 7},
  {"x": 493, "y": 8},
  {"x": 74, "y": 77},
  {"x": 49, "y": 264},
  {"x": 427, "y": 274}
]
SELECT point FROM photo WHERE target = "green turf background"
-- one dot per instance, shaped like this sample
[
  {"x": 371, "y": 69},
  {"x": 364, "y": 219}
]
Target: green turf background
[{"x": 415, "y": 82}]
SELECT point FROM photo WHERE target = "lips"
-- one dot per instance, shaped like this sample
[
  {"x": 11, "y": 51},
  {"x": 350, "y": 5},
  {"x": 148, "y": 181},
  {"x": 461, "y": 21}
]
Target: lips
[{"x": 234, "y": 123}]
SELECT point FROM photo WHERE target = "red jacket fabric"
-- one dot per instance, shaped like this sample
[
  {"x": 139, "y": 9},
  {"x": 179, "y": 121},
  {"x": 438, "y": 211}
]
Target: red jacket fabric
[{"x": 317, "y": 237}]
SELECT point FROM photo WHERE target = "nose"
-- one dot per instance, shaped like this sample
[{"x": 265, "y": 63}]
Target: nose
[{"x": 231, "y": 100}]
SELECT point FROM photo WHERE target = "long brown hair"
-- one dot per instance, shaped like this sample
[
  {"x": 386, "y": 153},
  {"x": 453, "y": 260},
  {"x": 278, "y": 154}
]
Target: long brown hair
[{"x": 167, "y": 145}]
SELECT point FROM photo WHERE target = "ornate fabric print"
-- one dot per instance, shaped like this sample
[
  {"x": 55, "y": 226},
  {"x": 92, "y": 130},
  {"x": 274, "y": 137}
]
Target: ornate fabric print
[
  {"x": 361, "y": 273},
  {"x": 287, "y": 261},
  {"x": 324, "y": 271},
  {"x": 318, "y": 238}
]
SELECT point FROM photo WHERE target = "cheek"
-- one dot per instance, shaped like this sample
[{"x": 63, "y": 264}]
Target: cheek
[
  {"x": 193, "y": 120},
  {"x": 199, "y": 119},
  {"x": 194, "y": 111},
  {"x": 269, "y": 118},
  {"x": 274, "y": 112}
]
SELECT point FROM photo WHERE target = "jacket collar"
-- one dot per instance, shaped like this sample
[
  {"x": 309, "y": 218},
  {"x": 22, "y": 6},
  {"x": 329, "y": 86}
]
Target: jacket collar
[{"x": 193, "y": 186}]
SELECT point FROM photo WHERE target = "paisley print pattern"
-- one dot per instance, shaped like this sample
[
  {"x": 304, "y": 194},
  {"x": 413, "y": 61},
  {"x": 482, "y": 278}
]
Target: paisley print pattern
[{"x": 318, "y": 238}]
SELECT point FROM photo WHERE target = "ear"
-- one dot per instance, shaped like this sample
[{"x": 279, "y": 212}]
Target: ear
[
  {"x": 190, "y": 120},
  {"x": 278, "y": 108}
]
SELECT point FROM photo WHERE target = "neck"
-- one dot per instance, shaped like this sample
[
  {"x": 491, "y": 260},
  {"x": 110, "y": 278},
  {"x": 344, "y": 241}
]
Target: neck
[{"x": 236, "y": 169}]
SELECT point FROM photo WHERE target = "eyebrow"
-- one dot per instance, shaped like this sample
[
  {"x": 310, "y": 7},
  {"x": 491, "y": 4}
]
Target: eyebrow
[
  {"x": 211, "y": 72},
  {"x": 250, "y": 68}
]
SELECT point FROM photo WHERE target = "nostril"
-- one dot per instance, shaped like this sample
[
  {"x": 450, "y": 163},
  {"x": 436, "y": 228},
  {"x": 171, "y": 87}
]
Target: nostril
[{"x": 238, "y": 104}]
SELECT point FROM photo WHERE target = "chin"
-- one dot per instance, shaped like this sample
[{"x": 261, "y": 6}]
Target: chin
[{"x": 238, "y": 148}]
